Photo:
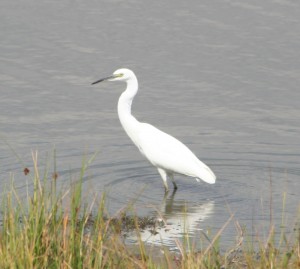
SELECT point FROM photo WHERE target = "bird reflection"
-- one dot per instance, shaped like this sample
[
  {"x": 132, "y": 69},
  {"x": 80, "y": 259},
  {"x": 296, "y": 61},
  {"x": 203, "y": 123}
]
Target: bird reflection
[{"x": 175, "y": 219}]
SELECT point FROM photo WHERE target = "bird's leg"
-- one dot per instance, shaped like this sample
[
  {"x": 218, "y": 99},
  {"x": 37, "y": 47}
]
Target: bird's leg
[
  {"x": 165, "y": 196},
  {"x": 164, "y": 177},
  {"x": 173, "y": 181},
  {"x": 173, "y": 194}
]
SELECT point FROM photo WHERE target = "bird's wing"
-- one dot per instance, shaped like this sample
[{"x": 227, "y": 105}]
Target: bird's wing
[{"x": 166, "y": 152}]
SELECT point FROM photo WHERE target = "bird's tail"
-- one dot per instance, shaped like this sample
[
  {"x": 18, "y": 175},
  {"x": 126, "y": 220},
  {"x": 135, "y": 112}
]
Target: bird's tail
[{"x": 206, "y": 174}]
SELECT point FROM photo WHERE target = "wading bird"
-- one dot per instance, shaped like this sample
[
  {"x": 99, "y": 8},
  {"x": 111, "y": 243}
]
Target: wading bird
[{"x": 162, "y": 150}]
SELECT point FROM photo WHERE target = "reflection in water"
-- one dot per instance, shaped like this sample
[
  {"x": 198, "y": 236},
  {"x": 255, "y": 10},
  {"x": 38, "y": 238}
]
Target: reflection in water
[{"x": 176, "y": 219}]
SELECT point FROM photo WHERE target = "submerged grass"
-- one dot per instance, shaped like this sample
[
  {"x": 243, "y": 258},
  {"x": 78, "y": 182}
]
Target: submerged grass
[{"x": 42, "y": 232}]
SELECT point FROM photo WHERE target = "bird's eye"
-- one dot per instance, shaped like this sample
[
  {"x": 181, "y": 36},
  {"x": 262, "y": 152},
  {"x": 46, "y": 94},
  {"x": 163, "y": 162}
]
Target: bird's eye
[{"x": 120, "y": 75}]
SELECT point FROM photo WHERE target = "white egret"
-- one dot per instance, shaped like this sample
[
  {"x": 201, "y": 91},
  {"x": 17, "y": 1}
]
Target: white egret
[{"x": 163, "y": 151}]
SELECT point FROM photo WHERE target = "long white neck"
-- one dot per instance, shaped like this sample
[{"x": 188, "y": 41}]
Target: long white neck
[{"x": 129, "y": 123}]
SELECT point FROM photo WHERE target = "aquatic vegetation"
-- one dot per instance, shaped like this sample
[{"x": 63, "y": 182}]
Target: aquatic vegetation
[{"x": 58, "y": 229}]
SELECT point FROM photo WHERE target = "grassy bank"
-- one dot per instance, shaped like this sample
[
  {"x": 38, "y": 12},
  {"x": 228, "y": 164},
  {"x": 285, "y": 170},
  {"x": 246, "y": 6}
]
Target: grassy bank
[{"x": 55, "y": 229}]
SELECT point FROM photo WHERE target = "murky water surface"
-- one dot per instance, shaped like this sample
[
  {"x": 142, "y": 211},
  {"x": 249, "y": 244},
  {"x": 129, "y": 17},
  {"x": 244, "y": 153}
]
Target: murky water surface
[{"x": 221, "y": 76}]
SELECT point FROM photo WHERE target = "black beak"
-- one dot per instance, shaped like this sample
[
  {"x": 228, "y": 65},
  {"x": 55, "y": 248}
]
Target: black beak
[{"x": 103, "y": 79}]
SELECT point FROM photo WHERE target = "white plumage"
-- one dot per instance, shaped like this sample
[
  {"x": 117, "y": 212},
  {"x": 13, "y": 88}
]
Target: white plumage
[{"x": 163, "y": 151}]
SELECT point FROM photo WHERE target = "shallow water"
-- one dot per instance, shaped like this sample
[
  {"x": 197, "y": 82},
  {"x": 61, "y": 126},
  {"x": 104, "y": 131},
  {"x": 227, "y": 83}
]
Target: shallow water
[{"x": 221, "y": 76}]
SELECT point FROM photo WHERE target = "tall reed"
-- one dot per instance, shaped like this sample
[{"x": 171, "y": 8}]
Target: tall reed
[{"x": 58, "y": 229}]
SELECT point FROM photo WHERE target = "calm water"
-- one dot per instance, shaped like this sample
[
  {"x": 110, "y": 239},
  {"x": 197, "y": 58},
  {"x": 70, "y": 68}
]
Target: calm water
[{"x": 221, "y": 76}]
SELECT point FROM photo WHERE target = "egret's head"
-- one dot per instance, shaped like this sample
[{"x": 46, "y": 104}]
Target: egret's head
[{"x": 122, "y": 74}]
